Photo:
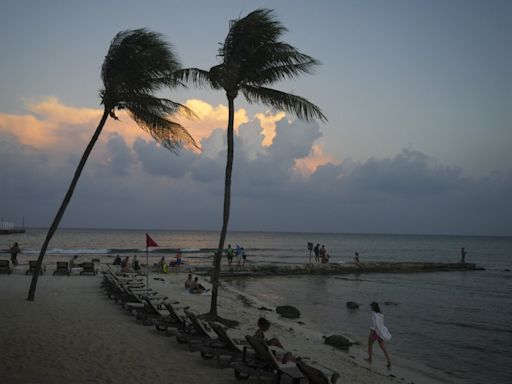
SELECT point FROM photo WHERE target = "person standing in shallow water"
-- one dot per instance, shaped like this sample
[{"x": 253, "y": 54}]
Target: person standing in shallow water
[
  {"x": 379, "y": 333},
  {"x": 462, "y": 256}
]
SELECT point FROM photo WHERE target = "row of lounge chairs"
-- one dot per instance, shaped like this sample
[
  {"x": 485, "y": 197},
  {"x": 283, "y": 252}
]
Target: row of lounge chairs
[
  {"x": 62, "y": 268},
  {"x": 248, "y": 357}
]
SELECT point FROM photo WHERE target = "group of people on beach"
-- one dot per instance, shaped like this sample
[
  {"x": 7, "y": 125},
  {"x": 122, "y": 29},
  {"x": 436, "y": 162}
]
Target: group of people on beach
[
  {"x": 238, "y": 253},
  {"x": 125, "y": 264},
  {"x": 175, "y": 264},
  {"x": 193, "y": 285},
  {"x": 321, "y": 254}
]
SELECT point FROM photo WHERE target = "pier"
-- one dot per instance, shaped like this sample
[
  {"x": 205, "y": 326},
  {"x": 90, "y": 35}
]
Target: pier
[{"x": 7, "y": 228}]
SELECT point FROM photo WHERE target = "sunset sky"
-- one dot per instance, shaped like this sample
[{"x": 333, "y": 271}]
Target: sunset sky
[{"x": 418, "y": 96}]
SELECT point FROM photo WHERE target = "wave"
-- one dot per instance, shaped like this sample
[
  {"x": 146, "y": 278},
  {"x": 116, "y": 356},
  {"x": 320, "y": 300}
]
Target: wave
[
  {"x": 70, "y": 251},
  {"x": 108, "y": 251},
  {"x": 475, "y": 326}
]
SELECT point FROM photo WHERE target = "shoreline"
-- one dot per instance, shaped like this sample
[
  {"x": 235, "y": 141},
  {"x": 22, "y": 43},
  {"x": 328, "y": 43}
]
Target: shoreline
[{"x": 59, "y": 296}]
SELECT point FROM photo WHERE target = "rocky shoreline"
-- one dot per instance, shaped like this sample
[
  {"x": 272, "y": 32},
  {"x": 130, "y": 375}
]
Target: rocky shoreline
[{"x": 349, "y": 268}]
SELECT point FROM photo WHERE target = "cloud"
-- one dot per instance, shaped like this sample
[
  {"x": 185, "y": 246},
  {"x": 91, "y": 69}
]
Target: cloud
[{"x": 288, "y": 183}]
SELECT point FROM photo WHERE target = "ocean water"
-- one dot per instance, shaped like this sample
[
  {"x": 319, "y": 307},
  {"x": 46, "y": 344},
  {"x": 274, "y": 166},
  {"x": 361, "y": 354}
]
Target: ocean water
[{"x": 456, "y": 322}]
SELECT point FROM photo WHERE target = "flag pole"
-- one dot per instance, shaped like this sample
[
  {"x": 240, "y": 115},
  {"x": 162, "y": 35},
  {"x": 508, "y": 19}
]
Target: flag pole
[{"x": 147, "y": 270}]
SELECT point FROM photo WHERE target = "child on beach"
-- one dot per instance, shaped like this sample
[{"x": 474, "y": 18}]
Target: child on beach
[{"x": 378, "y": 332}]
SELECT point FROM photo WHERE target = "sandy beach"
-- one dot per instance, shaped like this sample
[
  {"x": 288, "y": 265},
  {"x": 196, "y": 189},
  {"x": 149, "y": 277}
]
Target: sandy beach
[{"x": 73, "y": 333}]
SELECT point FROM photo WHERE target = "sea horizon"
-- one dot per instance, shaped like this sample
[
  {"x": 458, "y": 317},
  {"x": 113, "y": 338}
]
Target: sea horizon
[{"x": 272, "y": 231}]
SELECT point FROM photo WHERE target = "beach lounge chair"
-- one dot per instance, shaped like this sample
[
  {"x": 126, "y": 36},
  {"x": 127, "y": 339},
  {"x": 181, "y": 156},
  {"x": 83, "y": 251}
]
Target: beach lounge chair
[
  {"x": 265, "y": 364},
  {"x": 152, "y": 311},
  {"x": 318, "y": 374},
  {"x": 88, "y": 269},
  {"x": 62, "y": 268},
  {"x": 173, "y": 320},
  {"x": 226, "y": 349},
  {"x": 195, "y": 334},
  {"x": 5, "y": 267},
  {"x": 32, "y": 267}
]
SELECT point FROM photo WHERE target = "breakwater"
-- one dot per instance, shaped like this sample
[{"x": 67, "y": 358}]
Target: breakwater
[{"x": 349, "y": 268}]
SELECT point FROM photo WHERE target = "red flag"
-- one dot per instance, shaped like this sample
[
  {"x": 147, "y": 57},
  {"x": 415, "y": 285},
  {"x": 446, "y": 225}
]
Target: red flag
[{"x": 150, "y": 242}]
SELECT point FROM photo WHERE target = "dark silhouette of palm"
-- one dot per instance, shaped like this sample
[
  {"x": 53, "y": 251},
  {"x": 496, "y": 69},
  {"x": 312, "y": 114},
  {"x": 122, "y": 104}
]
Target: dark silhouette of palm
[
  {"x": 252, "y": 58},
  {"x": 138, "y": 63}
]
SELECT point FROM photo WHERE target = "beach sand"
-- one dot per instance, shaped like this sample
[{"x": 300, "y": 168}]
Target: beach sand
[{"x": 73, "y": 333}]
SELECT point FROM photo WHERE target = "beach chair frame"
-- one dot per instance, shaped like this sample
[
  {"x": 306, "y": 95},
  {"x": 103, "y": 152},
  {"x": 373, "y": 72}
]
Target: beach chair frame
[
  {"x": 62, "y": 268},
  {"x": 5, "y": 267},
  {"x": 32, "y": 264}
]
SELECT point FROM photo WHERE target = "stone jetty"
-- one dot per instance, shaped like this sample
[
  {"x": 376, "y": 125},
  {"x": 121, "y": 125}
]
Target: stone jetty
[{"x": 349, "y": 268}]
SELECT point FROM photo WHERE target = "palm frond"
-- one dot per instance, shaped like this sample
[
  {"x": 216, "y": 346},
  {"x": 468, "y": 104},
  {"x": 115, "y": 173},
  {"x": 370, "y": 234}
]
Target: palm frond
[
  {"x": 156, "y": 105},
  {"x": 296, "y": 105},
  {"x": 138, "y": 61},
  {"x": 194, "y": 76},
  {"x": 170, "y": 134}
]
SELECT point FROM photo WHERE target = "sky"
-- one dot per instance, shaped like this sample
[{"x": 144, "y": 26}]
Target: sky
[{"x": 418, "y": 97}]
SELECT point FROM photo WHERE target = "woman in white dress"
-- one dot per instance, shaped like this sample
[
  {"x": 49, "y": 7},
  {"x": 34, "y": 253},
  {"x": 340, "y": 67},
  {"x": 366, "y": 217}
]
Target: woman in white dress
[{"x": 378, "y": 332}]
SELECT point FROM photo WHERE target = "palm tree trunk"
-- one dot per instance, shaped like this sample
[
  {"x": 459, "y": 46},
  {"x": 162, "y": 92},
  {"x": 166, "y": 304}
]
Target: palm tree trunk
[
  {"x": 227, "y": 203},
  {"x": 65, "y": 202}
]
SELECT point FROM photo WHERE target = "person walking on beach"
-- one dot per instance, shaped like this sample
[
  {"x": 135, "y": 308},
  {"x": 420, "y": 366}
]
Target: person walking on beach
[
  {"x": 378, "y": 332},
  {"x": 462, "y": 256},
  {"x": 14, "y": 250},
  {"x": 179, "y": 261},
  {"x": 238, "y": 254},
  {"x": 229, "y": 255},
  {"x": 317, "y": 251},
  {"x": 244, "y": 257},
  {"x": 356, "y": 260},
  {"x": 323, "y": 252}
]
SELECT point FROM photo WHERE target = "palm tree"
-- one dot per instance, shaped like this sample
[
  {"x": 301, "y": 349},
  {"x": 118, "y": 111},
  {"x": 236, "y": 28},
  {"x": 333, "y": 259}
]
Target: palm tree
[
  {"x": 251, "y": 58},
  {"x": 138, "y": 63}
]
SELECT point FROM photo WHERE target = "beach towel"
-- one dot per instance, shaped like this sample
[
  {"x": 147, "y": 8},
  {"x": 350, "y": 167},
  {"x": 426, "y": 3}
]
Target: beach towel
[{"x": 379, "y": 327}]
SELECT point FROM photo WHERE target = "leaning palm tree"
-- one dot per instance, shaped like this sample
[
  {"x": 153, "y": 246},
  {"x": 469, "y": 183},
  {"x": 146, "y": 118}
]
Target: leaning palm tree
[
  {"x": 138, "y": 63},
  {"x": 252, "y": 58}
]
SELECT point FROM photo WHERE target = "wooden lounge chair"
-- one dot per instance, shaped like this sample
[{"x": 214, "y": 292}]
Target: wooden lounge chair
[
  {"x": 88, "y": 268},
  {"x": 32, "y": 267},
  {"x": 226, "y": 349},
  {"x": 173, "y": 320},
  {"x": 62, "y": 268},
  {"x": 266, "y": 364},
  {"x": 195, "y": 334},
  {"x": 318, "y": 374},
  {"x": 5, "y": 267}
]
